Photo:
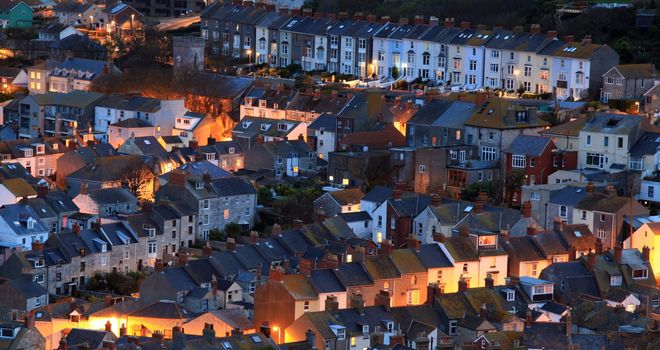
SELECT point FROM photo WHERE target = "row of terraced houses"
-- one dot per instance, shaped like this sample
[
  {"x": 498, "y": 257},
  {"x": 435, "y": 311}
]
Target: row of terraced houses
[{"x": 458, "y": 56}]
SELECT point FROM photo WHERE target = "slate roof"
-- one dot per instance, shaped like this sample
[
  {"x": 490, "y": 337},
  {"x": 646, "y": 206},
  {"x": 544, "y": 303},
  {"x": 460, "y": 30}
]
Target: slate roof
[
  {"x": 78, "y": 43},
  {"x": 570, "y": 128},
  {"x": 410, "y": 206},
  {"x": 461, "y": 249},
  {"x": 648, "y": 144},
  {"x": 299, "y": 287},
  {"x": 610, "y": 123},
  {"x": 75, "y": 98},
  {"x": 347, "y": 196},
  {"x": 570, "y": 195},
  {"x": 499, "y": 113},
  {"x": 19, "y": 188},
  {"x": 406, "y": 261},
  {"x": 326, "y": 281},
  {"x": 529, "y": 145},
  {"x": 93, "y": 67},
  {"x": 132, "y": 123},
  {"x": 162, "y": 309},
  {"x": 112, "y": 195},
  {"x": 602, "y": 203},
  {"x": 577, "y": 278},
  {"x": 26, "y": 287},
  {"x": 324, "y": 121},
  {"x": 355, "y": 216},
  {"x": 444, "y": 113},
  {"x": 432, "y": 256},
  {"x": 354, "y": 274},
  {"x": 79, "y": 336},
  {"x": 638, "y": 70},
  {"x": 104, "y": 169}
]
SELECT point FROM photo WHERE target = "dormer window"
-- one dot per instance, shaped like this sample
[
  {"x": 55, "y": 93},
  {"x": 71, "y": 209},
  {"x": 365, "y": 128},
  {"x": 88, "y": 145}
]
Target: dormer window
[
  {"x": 104, "y": 247},
  {"x": 37, "y": 263},
  {"x": 282, "y": 127},
  {"x": 7, "y": 333},
  {"x": 365, "y": 329},
  {"x": 640, "y": 273},
  {"x": 262, "y": 103},
  {"x": 81, "y": 251},
  {"x": 152, "y": 232},
  {"x": 521, "y": 116},
  {"x": 30, "y": 223},
  {"x": 41, "y": 149},
  {"x": 487, "y": 241},
  {"x": 27, "y": 152},
  {"x": 341, "y": 333},
  {"x": 264, "y": 127},
  {"x": 510, "y": 295},
  {"x": 231, "y": 150},
  {"x": 615, "y": 280},
  {"x": 276, "y": 106},
  {"x": 199, "y": 185}
]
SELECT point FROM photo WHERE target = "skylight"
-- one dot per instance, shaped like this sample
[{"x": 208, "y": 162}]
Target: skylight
[
  {"x": 577, "y": 233},
  {"x": 468, "y": 209}
]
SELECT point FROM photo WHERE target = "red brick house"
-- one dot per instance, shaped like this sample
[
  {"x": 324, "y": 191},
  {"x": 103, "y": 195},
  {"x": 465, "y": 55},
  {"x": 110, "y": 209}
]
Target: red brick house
[{"x": 534, "y": 155}]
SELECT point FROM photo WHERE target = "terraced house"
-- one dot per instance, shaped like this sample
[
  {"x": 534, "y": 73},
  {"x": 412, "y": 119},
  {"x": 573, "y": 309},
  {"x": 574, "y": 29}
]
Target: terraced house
[{"x": 462, "y": 57}]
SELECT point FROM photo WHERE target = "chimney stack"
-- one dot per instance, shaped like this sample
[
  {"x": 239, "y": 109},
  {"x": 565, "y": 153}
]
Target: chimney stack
[
  {"x": 439, "y": 237},
  {"x": 230, "y": 245},
  {"x": 465, "y": 25},
  {"x": 207, "y": 250},
  {"x": 557, "y": 224},
  {"x": 483, "y": 312},
  {"x": 371, "y": 18},
  {"x": 531, "y": 230},
  {"x": 331, "y": 303},
  {"x": 599, "y": 246},
  {"x": 159, "y": 266},
  {"x": 505, "y": 235},
  {"x": 254, "y": 235},
  {"x": 342, "y": 15},
  {"x": 464, "y": 232},
  {"x": 182, "y": 258},
  {"x": 586, "y": 40},
  {"x": 552, "y": 34},
  {"x": 419, "y": 19},
  {"x": 535, "y": 28},
  {"x": 569, "y": 38},
  {"x": 108, "y": 326},
  {"x": 122, "y": 330},
  {"x": 84, "y": 188},
  {"x": 37, "y": 247},
  {"x": 489, "y": 282},
  {"x": 383, "y": 299},
  {"x": 449, "y": 22},
  {"x": 403, "y": 20},
  {"x": 591, "y": 261},
  {"x": 386, "y": 247},
  {"x": 434, "y": 21},
  {"x": 462, "y": 285},
  {"x": 358, "y": 16},
  {"x": 305, "y": 266},
  {"x": 209, "y": 333},
  {"x": 310, "y": 337},
  {"x": 357, "y": 302},
  {"x": 610, "y": 191},
  {"x": 385, "y": 19},
  {"x": 646, "y": 253},
  {"x": 413, "y": 243},
  {"x": 527, "y": 209},
  {"x": 618, "y": 250}
]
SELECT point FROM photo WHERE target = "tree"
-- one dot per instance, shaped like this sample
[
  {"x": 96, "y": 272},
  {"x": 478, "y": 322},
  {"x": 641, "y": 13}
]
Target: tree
[
  {"x": 520, "y": 91},
  {"x": 138, "y": 178},
  {"x": 265, "y": 196},
  {"x": 304, "y": 81},
  {"x": 395, "y": 73},
  {"x": 512, "y": 184},
  {"x": 377, "y": 172}
]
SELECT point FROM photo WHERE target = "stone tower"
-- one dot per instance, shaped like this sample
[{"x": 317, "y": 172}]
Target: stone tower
[{"x": 188, "y": 53}]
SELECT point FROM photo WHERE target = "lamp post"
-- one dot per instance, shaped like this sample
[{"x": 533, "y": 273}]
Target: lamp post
[
  {"x": 279, "y": 334},
  {"x": 91, "y": 22},
  {"x": 249, "y": 54}
]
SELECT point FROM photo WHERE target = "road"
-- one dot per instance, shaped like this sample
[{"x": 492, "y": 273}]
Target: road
[{"x": 177, "y": 23}]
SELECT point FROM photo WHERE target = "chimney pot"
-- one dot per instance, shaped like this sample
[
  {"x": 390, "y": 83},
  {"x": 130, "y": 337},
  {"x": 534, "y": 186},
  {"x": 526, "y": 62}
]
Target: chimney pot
[{"x": 465, "y": 25}]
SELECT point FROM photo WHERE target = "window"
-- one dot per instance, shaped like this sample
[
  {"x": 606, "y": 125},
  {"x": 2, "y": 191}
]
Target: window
[
  {"x": 151, "y": 248},
  {"x": 563, "y": 211},
  {"x": 518, "y": 161},
  {"x": 341, "y": 332},
  {"x": 601, "y": 233},
  {"x": 490, "y": 240},
  {"x": 615, "y": 280},
  {"x": 82, "y": 266},
  {"x": 527, "y": 71},
  {"x": 619, "y": 142},
  {"x": 473, "y": 65},
  {"x": 413, "y": 297},
  {"x": 494, "y": 67},
  {"x": 205, "y": 219},
  {"x": 488, "y": 153},
  {"x": 380, "y": 221},
  {"x": 594, "y": 159},
  {"x": 636, "y": 163},
  {"x": 225, "y": 214},
  {"x": 465, "y": 268},
  {"x": 205, "y": 204},
  {"x": 392, "y": 223},
  {"x": 535, "y": 196},
  {"x": 104, "y": 260},
  {"x": 534, "y": 269},
  {"x": 584, "y": 215},
  {"x": 640, "y": 273},
  {"x": 495, "y": 54},
  {"x": 602, "y": 217},
  {"x": 39, "y": 278},
  {"x": 306, "y": 306},
  {"x": 606, "y": 141},
  {"x": 453, "y": 327},
  {"x": 422, "y": 169},
  {"x": 439, "y": 276},
  {"x": 650, "y": 191}
]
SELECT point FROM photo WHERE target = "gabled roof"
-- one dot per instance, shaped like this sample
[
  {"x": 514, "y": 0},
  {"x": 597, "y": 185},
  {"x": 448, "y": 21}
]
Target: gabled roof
[
  {"x": 378, "y": 194},
  {"x": 445, "y": 113},
  {"x": 529, "y": 145},
  {"x": 112, "y": 195},
  {"x": 648, "y": 144},
  {"x": 635, "y": 71},
  {"x": 299, "y": 287},
  {"x": 611, "y": 123},
  {"x": 347, "y": 196},
  {"x": 570, "y": 128},
  {"x": 433, "y": 256}
]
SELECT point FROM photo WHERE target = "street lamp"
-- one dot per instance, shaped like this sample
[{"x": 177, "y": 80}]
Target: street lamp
[{"x": 249, "y": 54}]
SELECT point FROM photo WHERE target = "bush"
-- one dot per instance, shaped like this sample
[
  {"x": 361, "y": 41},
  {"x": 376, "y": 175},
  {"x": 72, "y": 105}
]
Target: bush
[{"x": 216, "y": 235}]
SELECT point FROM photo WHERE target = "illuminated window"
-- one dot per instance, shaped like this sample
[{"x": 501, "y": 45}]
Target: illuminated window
[
  {"x": 386, "y": 286},
  {"x": 344, "y": 182},
  {"x": 225, "y": 214}
]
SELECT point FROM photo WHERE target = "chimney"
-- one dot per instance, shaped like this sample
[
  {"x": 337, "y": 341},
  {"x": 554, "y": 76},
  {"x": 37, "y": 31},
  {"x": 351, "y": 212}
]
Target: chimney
[
  {"x": 386, "y": 247},
  {"x": 37, "y": 247},
  {"x": 307, "y": 12},
  {"x": 435, "y": 199},
  {"x": 527, "y": 209},
  {"x": 358, "y": 16},
  {"x": 384, "y": 19},
  {"x": 42, "y": 191},
  {"x": 342, "y": 15},
  {"x": 276, "y": 275},
  {"x": 569, "y": 323},
  {"x": 265, "y": 329},
  {"x": 505, "y": 235},
  {"x": 371, "y": 18},
  {"x": 462, "y": 285},
  {"x": 193, "y": 144},
  {"x": 295, "y": 12},
  {"x": 108, "y": 326},
  {"x": 207, "y": 250},
  {"x": 439, "y": 237},
  {"x": 284, "y": 11},
  {"x": 357, "y": 302},
  {"x": 236, "y": 332},
  {"x": 297, "y": 224},
  {"x": 569, "y": 38},
  {"x": 254, "y": 235},
  {"x": 214, "y": 285},
  {"x": 464, "y": 231},
  {"x": 557, "y": 224},
  {"x": 396, "y": 193},
  {"x": 305, "y": 266},
  {"x": 528, "y": 319},
  {"x": 330, "y": 261},
  {"x": 209, "y": 333},
  {"x": 319, "y": 15},
  {"x": 158, "y": 335},
  {"x": 231, "y": 244},
  {"x": 599, "y": 246},
  {"x": 182, "y": 258},
  {"x": 277, "y": 229},
  {"x": 383, "y": 299},
  {"x": 480, "y": 27},
  {"x": 63, "y": 345},
  {"x": 449, "y": 22},
  {"x": 413, "y": 243},
  {"x": 618, "y": 249},
  {"x": 572, "y": 252},
  {"x": 646, "y": 253},
  {"x": 465, "y": 25},
  {"x": 434, "y": 21},
  {"x": 489, "y": 282},
  {"x": 159, "y": 266},
  {"x": 178, "y": 338},
  {"x": 610, "y": 191},
  {"x": 83, "y": 189},
  {"x": 122, "y": 330},
  {"x": 531, "y": 230},
  {"x": 483, "y": 312},
  {"x": 480, "y": 98},
  {"x": 591, "y": 261},
  {"x": 535, "y": 28},
  {"x": 552, "y": 34},
  {"x": 403, "y": 20},
  {"x": 310, "y": 337},
  {"x": 331, "y": 303},
  {"x": 29, "y": 320},
  {"x": 76, "y": 229},
  {"x": 586, "y": 40},
  {"x": 518, "y": 29},
  {"x": 419, "y": 19}
]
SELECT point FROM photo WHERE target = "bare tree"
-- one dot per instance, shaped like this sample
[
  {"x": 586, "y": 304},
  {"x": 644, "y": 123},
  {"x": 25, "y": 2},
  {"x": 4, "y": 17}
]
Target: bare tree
[{"x": 138, "y": 179}]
